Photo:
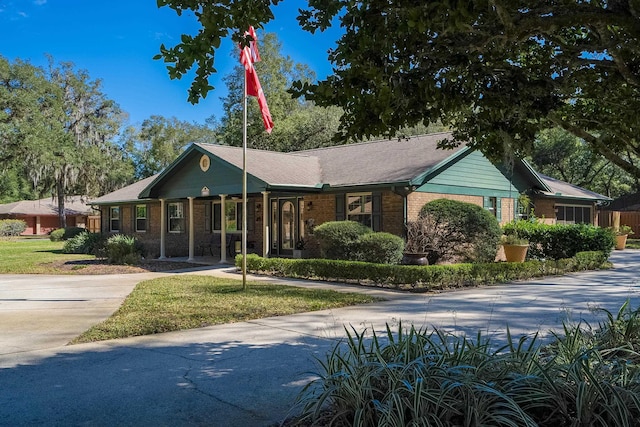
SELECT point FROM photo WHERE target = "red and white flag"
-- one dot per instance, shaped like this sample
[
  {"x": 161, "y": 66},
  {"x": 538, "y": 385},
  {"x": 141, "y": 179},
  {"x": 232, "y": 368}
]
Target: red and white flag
[{"x": 248, "y": 56}]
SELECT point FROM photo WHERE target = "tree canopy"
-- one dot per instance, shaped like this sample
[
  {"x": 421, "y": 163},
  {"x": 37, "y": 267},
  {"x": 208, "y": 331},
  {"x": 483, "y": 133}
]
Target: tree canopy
[
  {"x": 564, "y": 156},
  {"x": 496, "y": 71},
  {"x": 57, "y": 129},
  {"x": 160, "y": 140},
  {"x": 299, "y": 124}
]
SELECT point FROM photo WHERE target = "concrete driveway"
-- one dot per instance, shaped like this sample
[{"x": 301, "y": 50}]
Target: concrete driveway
[
  {"x": 248, "y": 374},
  {"x": 38, "y": 312}
]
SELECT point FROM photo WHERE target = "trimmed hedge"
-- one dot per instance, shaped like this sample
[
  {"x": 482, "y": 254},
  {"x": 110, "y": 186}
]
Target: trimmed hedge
[
  {"x": 420, "y": 278},
  {"x": 561, "y": 241},
  {"x": 12, "y": 227}
]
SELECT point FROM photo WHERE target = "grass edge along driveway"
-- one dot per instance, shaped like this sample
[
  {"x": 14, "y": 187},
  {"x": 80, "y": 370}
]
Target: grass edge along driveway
[{"x": 185, "y": 302}]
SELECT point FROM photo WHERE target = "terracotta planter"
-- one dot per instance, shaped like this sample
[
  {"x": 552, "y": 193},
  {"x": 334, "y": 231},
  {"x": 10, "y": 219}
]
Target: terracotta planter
[
  {"x": 409, "y": 258},
  {"x": 621, "y": 241},
  {"x": 515, "y": 253}
]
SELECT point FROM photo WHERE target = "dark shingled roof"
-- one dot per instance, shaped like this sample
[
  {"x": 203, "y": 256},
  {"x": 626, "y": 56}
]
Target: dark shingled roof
[
  {"x": 564, "y": 189},
  {"x": 125, "y": 194},
  {"x": 270, "y": 166},
  {"x": 629, "y": 202},
  {"x": 384, "y": 161}
]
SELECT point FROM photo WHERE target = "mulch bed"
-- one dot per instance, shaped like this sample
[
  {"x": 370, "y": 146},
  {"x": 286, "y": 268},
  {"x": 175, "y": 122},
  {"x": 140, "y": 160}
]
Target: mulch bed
[{"x": 97, "y": 266}]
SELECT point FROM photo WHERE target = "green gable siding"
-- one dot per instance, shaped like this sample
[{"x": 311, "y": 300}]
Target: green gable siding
[
  {"x": 472, "y": 174},
  {"x": 188, "y": 179}
]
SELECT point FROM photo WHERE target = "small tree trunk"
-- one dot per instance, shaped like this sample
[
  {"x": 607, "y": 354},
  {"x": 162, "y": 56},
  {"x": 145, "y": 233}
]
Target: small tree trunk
[{"x": 62, "y": 218}]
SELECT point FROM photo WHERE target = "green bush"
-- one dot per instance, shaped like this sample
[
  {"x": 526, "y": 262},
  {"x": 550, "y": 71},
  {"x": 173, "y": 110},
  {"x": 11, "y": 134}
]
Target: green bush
[
  {"x": 12, "y": 227},
  {"x": 585, "y": 377},
  {"x": 380, "y": 248},
  {"x": 85, "y": 243},
  {"x": 339, "y": 239},
  {"x": 558, "y": 241},
  {"x": 449, "y": 230},
  {"x": 419, "y": 278},
  {"x": 56, "y": 235},
  {"x": 61, "y": 234},
  {"x": 123, "y": 249}
]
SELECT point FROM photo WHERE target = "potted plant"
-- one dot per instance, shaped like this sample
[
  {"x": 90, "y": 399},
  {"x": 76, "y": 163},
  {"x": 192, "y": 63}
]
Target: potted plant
[
  {"x": 415, "y": 249},
  {"x": 515, "y": 247},
  {"x": 299, "y": 251},
  {"x": 621, "y": 234}
]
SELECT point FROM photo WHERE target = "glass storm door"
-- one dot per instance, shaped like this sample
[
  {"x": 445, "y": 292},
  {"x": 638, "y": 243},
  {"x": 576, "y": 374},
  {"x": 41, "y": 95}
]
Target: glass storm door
[{"x": 288, "y": 230}]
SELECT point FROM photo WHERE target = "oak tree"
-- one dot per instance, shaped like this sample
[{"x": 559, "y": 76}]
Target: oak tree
[{"x": 496, "y": 71}]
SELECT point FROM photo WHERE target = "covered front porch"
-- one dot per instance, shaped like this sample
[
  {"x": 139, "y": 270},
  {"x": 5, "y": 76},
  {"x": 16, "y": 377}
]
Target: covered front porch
[{"x": 200, "y": 208}]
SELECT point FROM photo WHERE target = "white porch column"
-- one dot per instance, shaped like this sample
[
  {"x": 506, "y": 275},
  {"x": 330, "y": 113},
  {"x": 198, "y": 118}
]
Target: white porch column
[
  {"x": 191, "y": 229},
  {"x": 265, "y": 224},
  {"x": 223, "y": 230},
  {"x": 163, "y": 228}
]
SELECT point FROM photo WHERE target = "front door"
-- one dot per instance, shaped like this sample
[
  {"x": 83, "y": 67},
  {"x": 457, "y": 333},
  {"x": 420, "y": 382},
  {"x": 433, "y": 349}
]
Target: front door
[{"x": 284, "y": 226}]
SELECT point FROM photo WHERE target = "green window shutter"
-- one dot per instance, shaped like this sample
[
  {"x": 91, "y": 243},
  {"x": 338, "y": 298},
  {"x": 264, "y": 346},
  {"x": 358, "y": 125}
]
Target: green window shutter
[
  {"x": 376, "y": 211},
  {"x": 499, "y": 209},
  {"x": 217, "y": 216},
  {"x": 486, "y": 202},
  {"x": 340, "y": 207}
]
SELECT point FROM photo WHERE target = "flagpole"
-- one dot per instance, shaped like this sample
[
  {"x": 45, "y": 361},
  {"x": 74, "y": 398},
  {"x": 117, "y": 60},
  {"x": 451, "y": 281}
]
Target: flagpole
[{"x": 244, "y": 185}]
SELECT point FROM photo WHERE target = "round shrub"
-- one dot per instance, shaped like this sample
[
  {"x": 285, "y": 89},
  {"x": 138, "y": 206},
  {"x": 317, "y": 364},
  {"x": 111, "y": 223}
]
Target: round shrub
[
  {"x": 123, "y": 249},
  {"x": 339, "y": 239},
  {"x": 56, "y": 235},
  {"x": 380, "y": 248},
  {"x": 60, "y": 234},
  {"x": 12, "y": 227},
  {"x": 71, "y": 232},
  {"x": 458, "y": 231}
]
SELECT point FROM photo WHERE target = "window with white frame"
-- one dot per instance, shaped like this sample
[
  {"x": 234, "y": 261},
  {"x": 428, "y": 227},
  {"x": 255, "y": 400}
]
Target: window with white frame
[
  {"x": 573, "y": 214},
  {"x": 114, "y": 219},
  {"x": 176, "y": 217},
  {"x": 360, "y": 208},
  {"x": 141, "y": 218},
  {"x": 232, "y": 215}
]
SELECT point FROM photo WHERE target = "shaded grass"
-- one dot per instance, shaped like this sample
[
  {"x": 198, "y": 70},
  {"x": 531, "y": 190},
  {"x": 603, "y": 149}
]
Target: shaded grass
[
  {"x": 633, "y": 244},
  {"x": 31, "y": 256},
  {"x": 185, "y": 302}
]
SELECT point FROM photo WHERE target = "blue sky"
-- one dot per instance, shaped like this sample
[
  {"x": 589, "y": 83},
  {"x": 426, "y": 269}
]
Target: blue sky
[{"x": 116, "y": 40}]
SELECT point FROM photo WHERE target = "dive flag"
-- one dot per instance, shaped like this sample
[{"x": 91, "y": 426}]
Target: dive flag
[{"x": 248, "y": 56}]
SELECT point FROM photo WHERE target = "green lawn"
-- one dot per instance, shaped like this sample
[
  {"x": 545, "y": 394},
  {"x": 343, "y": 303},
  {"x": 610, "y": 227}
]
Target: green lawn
[
  {"x": 24, "y": 256},
  {"x": 186, "y": 301}
]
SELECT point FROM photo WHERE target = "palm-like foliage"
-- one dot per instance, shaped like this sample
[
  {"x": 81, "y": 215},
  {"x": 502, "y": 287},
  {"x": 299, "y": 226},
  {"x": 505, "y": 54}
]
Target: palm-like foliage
[{"x": 412, "y": 377}]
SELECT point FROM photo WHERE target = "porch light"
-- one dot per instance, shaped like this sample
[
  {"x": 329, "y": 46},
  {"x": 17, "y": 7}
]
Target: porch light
[{"x": 309, "y": 205}]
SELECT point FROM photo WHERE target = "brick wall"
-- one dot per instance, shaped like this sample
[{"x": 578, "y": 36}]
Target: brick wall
[
  {"x": 545, "y": 210},
  {"x": 416, "y": 200}
]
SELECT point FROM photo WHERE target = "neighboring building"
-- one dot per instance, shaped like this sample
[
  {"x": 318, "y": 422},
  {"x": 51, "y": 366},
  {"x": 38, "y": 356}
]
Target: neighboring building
[
  {"x": 42, "y": 217},
  {"x": 382, "y": 184},
  {"x": 624, "y": 210}
]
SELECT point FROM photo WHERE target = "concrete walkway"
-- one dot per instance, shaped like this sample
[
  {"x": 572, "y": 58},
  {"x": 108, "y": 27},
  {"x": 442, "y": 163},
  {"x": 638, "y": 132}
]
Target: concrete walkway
[{"x": 248, "y": 374}]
